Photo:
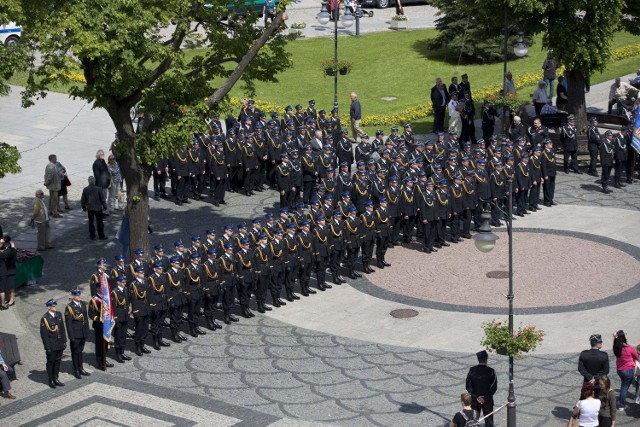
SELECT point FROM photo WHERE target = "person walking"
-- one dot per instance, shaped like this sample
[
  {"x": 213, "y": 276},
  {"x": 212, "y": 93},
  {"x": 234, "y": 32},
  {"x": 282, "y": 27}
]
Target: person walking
[
  {"x": 355, "y": 114},
  {"x": 482, "y": 384},
  {"x": 40, "y": 217},
  {"x": 607, "y": 414},
  {"x": 64, "y": 183},
  {"x": 102, "y": 175},
  {"x": 53, "y": 183},
  {"x": 626, "y": 357},
  {"x": 93, "y": 202}
]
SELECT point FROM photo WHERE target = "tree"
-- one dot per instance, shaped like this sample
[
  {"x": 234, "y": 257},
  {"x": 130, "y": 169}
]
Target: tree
[
  {"x": 578, "y": 32},
  {"x": 129, "y": 55}
]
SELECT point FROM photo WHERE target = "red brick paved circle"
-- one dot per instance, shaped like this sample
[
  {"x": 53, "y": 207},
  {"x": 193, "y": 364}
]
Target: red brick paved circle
[{"x": 549, "y": 270}]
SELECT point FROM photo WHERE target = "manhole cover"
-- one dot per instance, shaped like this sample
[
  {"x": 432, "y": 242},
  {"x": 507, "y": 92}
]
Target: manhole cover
[
  {"x": 498, "y": 274},
  {"x": 403, "y": 313}
]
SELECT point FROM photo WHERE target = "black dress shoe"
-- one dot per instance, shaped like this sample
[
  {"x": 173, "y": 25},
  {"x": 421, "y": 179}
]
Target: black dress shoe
[
  {"x": 144, "y": 349},
  {"x": 327, "y": 286},
  {"x": 163, "y": 343},
  {"x": 554, "y": 204},
  {"x": 85, "y": 373},
  {"x": 233, "y": 318},
  {"x": 445, "y": 244},
  {"x": 294, "y": 296},
  {"x": 125, "y": 357},
  {"x": 77, "y": 375},
  {"x": 182, "y": 337},
  {"x": 425, "y": 250},
  {"x": 520, "y": 214},
  {"x": 468, "y": 236},
  {"x": 266, "y": 307},
  {"x": 52, "y": 384},
  {"x": 357, "y": 274},
  {"x": 200, "y": 331},
  {"x": 606, "y": 191},
  {"x": 58, "y": 383},
  {"x": 276, "y": 304},
  {"x": 311, "y": 291},
  {"x": 222, "y": 202},
  {"x": 385, "y": 263},
  {"x": 119, "y": 358},
  {"x": 617, "y": 186},
  {"x": 352, "y": 277}
]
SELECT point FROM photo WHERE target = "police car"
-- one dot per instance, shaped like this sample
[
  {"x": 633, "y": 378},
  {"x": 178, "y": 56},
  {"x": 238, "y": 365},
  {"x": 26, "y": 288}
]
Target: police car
[{"x": 10, "y": 34}]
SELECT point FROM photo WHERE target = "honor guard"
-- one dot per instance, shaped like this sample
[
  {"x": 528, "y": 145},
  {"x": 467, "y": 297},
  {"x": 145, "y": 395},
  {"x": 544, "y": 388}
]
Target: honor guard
[
  {"x": 210, "y": 288},
  {"x": 95, "y": 311},
  {"x": 158, "y": 304},
  {"x": 193, "y": 293},
  {"x": 54, "y": 340},
  {"x": 245, "y": 279},
  {"x": 175, "y": 297},
  {"x": 138, "y": 290},
  {"x": 383, "y": 232},
  {"x": 77, "y": 321},
  {"x": 320, "y": 245},
  {"x": 352, "y": 241},
  {"x": 548, "y": 167},
  {"x": 368, "y": 233},
  {"x": 227, "y": 283},
  {"x": 120, "y": 300},
  {"x": 261, "y": 262},
  {"x": 336, "y": 235},
  {"x": 292, "y": 261},
  {"x": 101, "y": 269}
]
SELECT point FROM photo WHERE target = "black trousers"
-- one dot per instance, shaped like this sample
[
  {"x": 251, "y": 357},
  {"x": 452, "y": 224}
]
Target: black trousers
[
  {"x": 277, "y": 278},
  {"x": 606, "y": 173},
  {"x": 487, "y": 131},
  {"x": 454, "y": 225},
  {"x": 593, "y": 158},
  {"x": 245, "y": 288},
  {"x": 157, "y": 321},
  {"x": 290, "y": 275},
  {"x": 304, "y": 274},
  {"x": 522, "y": 201},
  {"x": 100, "y": 344},
  {"x": 534, "y": 196},
  {"x": 381, "y": 247},
  {"x": 193, "y": 311},
  {"x": 407, "y": 228},
  {"x": 570, "y": 160},
  {"x": 141, "y": 328},
  {"x": 95, "y": 220},
  {"x": 429, "y": 234},
  {"x": 218, "y": 188},
  {"x": 395, "y": 231},
  {"x": 175, "y": 316},
  {"x": 307, "y": 189},
  {"x": 235, "y": 174},
  {"x": 441, "y": 228},
  {"x": 466, "y": 222},
  {"x": 367, "y": 250},
  {"x": 262, "y": 287},
  {"x": 77, "y": 347},
  {"x": 209, "y": 300},
  {"x": 487, "y": 408},
  {"x": 352, "y": 256},
  {"x": 478, "y": 212},
  {"x": 53, "y": 364},
  {"x": 320, "y": 267},
  {"x": 120, "y": 336},
  {"x": 335, "y": 258},
  {"x": 438, "y": 119},
  {"x": 249, "y": 179},
  {"x": 620, "y": 166},
  {"x": 549, "y": 189},
  {"x": 181, "y": 188},
  {"x": 158, "y": 184},
  {"x": 227, "y": 295},
  {"x": 261, "y": 173}
]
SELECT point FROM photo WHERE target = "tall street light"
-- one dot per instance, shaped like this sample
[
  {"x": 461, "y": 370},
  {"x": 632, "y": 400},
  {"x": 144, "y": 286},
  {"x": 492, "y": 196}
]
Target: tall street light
[
  {"x": 485, "y": 241},
  {"x": 347, "y": 20},
  {"x": 519, "y": 49}
]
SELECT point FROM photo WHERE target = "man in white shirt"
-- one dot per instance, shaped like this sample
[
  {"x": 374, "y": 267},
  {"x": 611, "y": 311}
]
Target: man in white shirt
[
  {"x": 540, "y": 96},
  {"x": 619, "y": 91},
  {"x": 40, "y": 218}
]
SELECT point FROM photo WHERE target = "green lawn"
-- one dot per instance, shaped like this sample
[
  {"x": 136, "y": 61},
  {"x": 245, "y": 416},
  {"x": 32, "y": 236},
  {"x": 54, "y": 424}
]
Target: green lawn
[{"x": 391, "y": 64}]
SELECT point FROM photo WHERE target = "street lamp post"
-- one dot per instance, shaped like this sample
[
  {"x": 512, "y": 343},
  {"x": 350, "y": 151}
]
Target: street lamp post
[
  {"x": 485, "y": 241},
  {"x": 347, "y": 20},
  {"x": 519, "y": 49}
]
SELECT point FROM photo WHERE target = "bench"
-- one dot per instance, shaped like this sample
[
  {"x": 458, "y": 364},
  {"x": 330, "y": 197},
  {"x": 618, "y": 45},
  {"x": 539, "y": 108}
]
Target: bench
[
  {"x": 10, "y": 351},
  {"x": 609, "y": 121}
]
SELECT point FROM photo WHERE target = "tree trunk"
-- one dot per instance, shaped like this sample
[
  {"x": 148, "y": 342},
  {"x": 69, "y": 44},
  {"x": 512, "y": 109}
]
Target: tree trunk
[
  {"x": 577, "y": 102},
  {"x": 136, "y": 179}
]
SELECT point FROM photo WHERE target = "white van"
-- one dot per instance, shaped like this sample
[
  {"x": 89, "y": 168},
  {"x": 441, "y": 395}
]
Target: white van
[{"x": 10, "y": 34}]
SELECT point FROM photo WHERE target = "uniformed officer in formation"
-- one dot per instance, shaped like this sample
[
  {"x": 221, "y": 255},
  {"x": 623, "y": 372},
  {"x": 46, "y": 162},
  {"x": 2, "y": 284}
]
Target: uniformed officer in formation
[
  {"x": 77, "y": 322},
  {"x": 54, "y": 340}
]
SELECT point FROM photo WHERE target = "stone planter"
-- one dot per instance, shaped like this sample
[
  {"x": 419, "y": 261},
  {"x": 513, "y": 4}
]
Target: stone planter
[{"x": 399, "y": 25}]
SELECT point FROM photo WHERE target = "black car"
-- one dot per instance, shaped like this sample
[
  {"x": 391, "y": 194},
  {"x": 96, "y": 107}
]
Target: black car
[{"x": 382, "y": 4}]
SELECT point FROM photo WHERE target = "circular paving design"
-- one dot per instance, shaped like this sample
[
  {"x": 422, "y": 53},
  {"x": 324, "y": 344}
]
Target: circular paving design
[{"x": 553, "y": 271}]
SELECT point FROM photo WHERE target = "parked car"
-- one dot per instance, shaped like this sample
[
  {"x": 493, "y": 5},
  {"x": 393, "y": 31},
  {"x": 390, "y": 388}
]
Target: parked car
[
  {"x": 10, "y": 34},
  {"x": 382, "y": 4}
]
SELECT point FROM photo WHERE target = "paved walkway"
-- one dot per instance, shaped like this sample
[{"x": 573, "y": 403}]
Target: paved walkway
[{"x": 337, "y": 357}]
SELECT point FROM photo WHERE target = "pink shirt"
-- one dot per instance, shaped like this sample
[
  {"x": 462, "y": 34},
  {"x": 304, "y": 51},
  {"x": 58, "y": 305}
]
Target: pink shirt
[{"x": 627, "y": 359}]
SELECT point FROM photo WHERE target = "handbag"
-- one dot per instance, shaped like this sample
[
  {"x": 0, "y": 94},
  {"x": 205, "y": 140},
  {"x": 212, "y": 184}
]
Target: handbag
[{"x": 67, "y": 183}]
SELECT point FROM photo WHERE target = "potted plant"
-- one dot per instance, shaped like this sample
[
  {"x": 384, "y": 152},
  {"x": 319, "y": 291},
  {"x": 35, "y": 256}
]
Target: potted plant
[
  {"x": 498, "y": 339},
  {"x": 399, "y": 22},
  {"x": 331, "y": 67}
]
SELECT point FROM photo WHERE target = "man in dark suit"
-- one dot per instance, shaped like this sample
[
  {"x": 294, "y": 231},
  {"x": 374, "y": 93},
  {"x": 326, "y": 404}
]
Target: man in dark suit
[
  {"x": 77, "y": 321},
  {"x": 594, "y": 363},
  {"x": 93, "y": 202},
  {"x": 54, "y": 339},
  {"x": 439, "y": 100},
  {"x": 482, "y": 385}
]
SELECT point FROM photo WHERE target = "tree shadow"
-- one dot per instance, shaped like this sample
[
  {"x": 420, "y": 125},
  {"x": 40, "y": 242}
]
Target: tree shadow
[
  {"x": 591, "y": 187},
  {"x": 561, "y": 412},
  {"x": 416, "y": 408}
]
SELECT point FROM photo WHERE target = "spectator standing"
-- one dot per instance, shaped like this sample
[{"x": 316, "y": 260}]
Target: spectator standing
[
  {"x": 93, "y": 202},
  {"x": 508, "y": 86},
  {"x": 102, "y": 175},
  {"x": 550, "y": 69},
  {"x": 53, "y": 184},
  {"x": 116, "y": 183},
  {"x": 40, "y": 218},
  {"x": 562, "y": 97},
  {"x": 4, "y": 379},
  {"x": 355, "y": 113},
  {"x": 540, "y": 97},
  {"x": 439, "y": 100},
  {"x": 587, "y": 409},
  {"x": 64, "y": 183},
  {"x": 619, "y": 91},
  {"x": 607, "y": 415},
  {"x": 9, "y": 252},
  {"x": 482, "y": 384},
  {"x": 626, "y": 357},
  {"x": 467, "y": 413},
  {"x": 593, "y": 363}
]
